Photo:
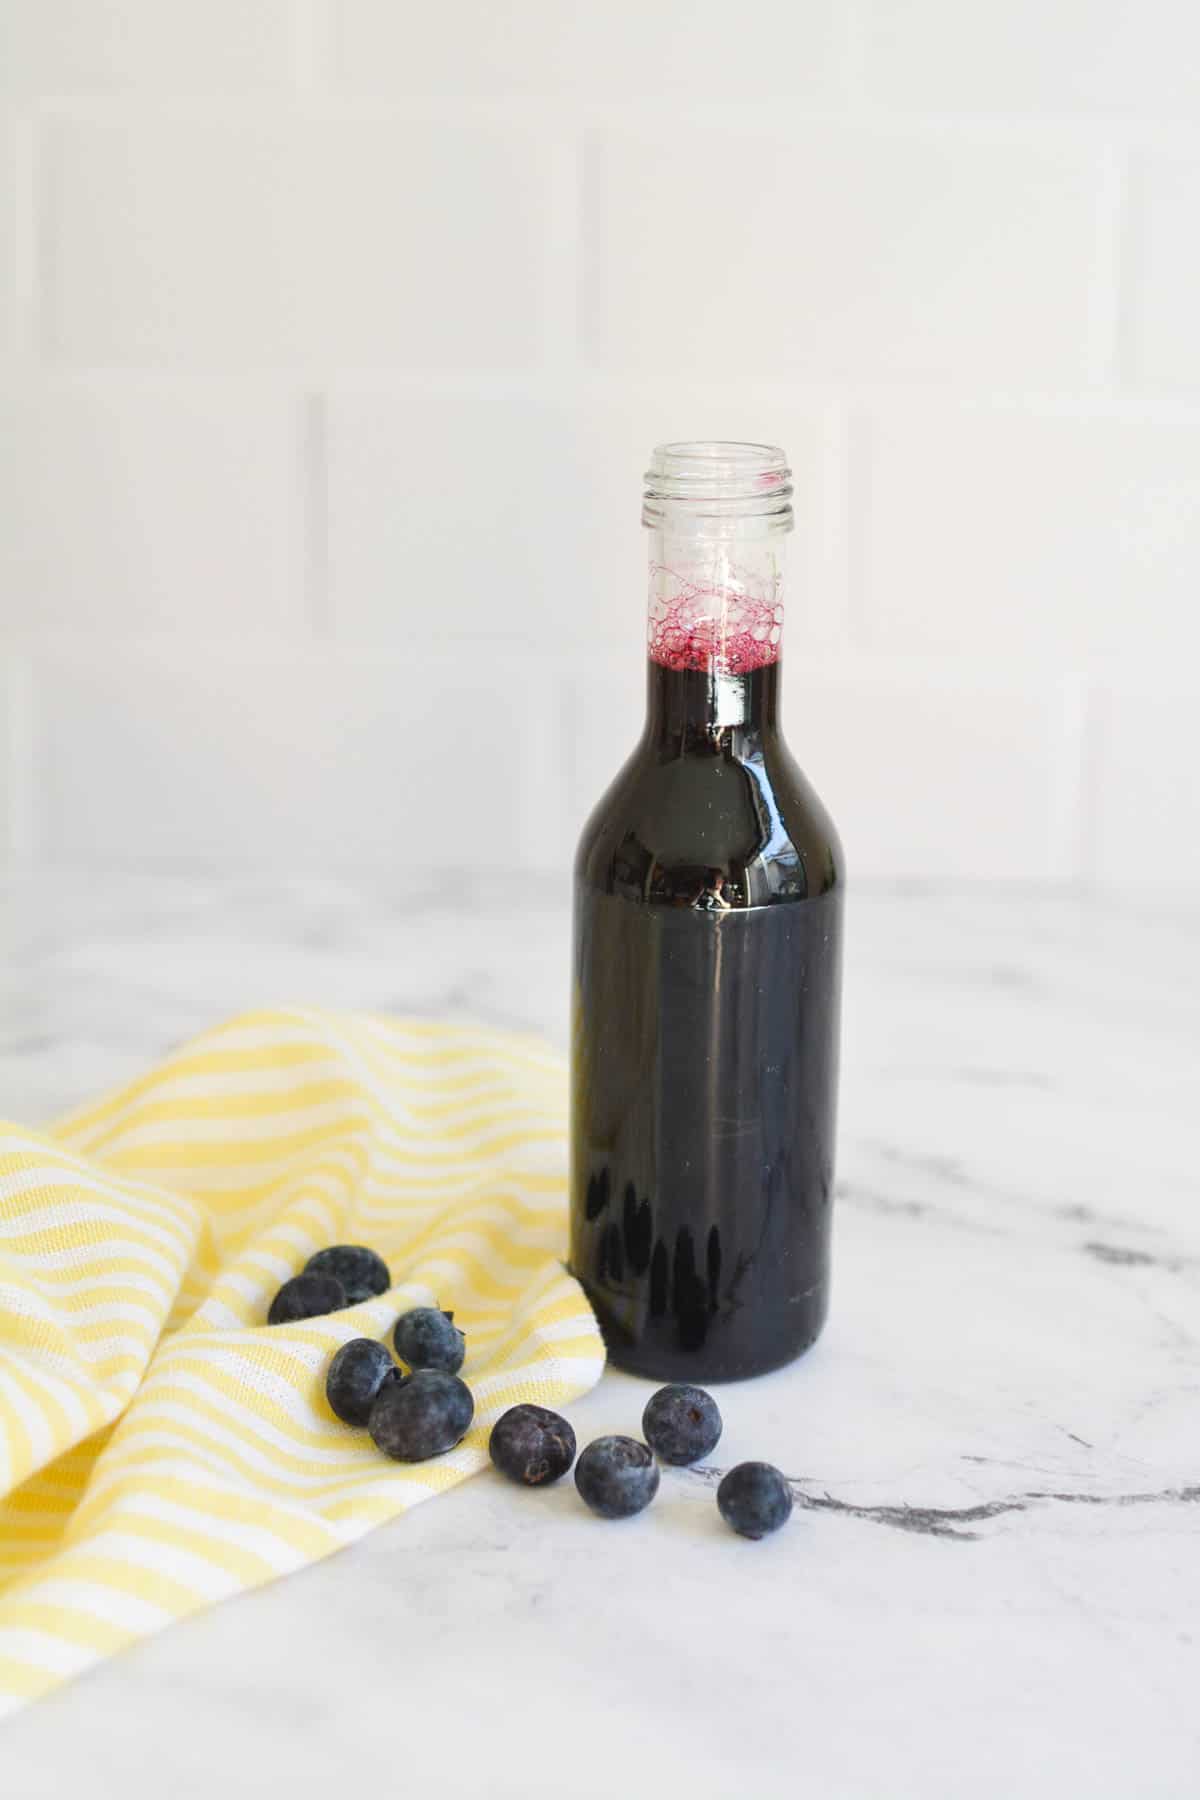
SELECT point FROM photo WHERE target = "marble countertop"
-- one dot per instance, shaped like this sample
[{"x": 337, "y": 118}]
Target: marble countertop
[{"x": 991, "y": 1585}]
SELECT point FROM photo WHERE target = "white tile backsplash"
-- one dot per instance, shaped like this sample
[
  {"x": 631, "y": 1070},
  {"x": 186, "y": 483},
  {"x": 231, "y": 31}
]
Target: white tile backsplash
[
  {"x": 1057, "y": 540},
  {"x": 334, "y": 336},
  {"x": 1142, "y": 799},
  {"x": 57, "y": 47},
  {"x": 251, "y": 760},
  {"x": 9, "y": 752},
  {"x": 196, "y": 242},
  {"x": 133, "y": 508},
  {"x": 839, "y": 253},
  {"x": 1163, "y": 303},
  {"x": 676, "y": 51},
  {"x": 934, "y": 773},
  {"x": 10, "y": 224},
  {"x": 1033, "y": 56},
  {"x": 439, "y": 530}
]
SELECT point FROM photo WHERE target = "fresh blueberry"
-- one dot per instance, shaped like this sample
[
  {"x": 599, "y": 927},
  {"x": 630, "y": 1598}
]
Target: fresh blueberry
[
  {"x": 415, "y": 1419},
  {"x": 754, "y": 1499},
  {"x": 428, "y": 1339},
  {"x": 532, "y": 1445},
  {"x": 360, "y": 1271},
  {"x": 681, "y": 1424},
  {"x": 359, "y": 1370},
  {"x": 617, "y": 1477},
  {"x": 306, "y": 1297}
]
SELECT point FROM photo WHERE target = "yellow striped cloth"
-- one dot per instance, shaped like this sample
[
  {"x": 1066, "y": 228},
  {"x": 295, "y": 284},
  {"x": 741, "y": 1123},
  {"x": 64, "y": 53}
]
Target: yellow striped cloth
[{"x": 160, "y": 1445}]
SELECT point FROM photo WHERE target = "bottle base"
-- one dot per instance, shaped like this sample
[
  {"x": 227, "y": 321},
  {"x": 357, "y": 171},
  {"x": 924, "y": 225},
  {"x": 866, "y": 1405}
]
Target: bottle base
[{"x": 717, "y": 1358}]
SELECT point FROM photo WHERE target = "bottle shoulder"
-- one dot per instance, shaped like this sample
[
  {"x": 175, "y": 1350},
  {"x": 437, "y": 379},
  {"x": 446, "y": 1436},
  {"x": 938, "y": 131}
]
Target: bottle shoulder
[{"x": 711, "y": 831}]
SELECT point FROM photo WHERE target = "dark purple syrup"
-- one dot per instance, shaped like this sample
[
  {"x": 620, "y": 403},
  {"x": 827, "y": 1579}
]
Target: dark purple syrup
[{"x": 708, "y": 890}]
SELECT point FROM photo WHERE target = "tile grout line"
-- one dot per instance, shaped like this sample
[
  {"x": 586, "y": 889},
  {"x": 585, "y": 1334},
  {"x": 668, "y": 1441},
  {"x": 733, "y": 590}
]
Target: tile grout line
[
  {"x": 1124, "y": 270},
  {"x": 310, "y": 46},
  {"x": 316, "y": 599},
  {"x": 562, "y": 244},
  {"x": 20, "y": 755},
  {"x": 1070, "y": 791},
  {"x": 1105, "y": 322},
  {"x": 855, "y": 495},
  {"x": 838, "y": 549},
  {"x": 26, "y": 244},
  {"x": 851, "y": 59}
]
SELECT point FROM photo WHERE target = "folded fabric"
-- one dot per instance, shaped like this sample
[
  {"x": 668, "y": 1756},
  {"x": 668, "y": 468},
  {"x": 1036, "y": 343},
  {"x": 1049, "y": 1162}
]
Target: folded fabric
[{"x": 161, "y": 1446}]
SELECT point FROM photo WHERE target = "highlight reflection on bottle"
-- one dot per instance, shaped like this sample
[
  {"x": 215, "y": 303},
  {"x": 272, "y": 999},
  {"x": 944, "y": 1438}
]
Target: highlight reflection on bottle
[{"x": 707, "y": 961}]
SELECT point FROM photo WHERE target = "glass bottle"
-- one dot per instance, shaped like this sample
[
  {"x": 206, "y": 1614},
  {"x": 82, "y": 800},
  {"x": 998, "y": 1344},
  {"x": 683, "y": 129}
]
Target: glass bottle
[{"x": 707, "y": 953}]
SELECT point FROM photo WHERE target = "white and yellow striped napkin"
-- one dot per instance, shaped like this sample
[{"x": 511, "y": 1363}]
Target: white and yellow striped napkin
[{"x": 162, "y": 1447}]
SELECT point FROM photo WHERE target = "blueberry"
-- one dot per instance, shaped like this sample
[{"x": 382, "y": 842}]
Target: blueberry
[
  {"x": 532, "y": 1445},
  {"x": 754, "y": 1499},
  {"x": 360, "y": 1271},
  {"x": 415, "y": 1419},
  {"x": 681, "y": 1424},
  {"x": 617, "y": 1477},
  {"x": 428, "y": 1339},
  {"x": 306, "y": 1297},
  {"x": 359, "y": 1370}
]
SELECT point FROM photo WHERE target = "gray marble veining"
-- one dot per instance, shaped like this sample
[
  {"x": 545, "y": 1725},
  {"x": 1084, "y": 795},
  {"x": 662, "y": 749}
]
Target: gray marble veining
[{"x": 992, "y": 1580}]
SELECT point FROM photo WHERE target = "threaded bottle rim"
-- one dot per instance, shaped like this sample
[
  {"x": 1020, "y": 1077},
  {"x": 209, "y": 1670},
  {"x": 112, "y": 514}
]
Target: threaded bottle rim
[{"x": 710, "y": 485}]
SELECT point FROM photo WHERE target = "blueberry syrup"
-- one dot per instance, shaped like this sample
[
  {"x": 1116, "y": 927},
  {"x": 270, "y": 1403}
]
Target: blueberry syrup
[{"x": 708, "y": 903}]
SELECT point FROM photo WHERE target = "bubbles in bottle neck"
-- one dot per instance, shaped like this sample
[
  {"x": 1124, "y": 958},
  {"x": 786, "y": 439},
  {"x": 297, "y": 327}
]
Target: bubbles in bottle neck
[
  {"x": 718, "y": 515},
  {"x": 714, "y": 610}
]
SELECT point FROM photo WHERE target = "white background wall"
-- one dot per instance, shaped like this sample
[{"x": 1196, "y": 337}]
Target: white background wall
[{"x": 334, "y": 335}]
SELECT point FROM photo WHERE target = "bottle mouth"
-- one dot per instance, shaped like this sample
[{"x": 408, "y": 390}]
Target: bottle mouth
[{"x": 689, "y": 484}]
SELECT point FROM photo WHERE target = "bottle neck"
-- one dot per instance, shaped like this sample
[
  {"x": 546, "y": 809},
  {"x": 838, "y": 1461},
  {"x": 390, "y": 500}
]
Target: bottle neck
[
  {"x": 714, "y": 637},
  {"x": 704, "y": 711}
]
